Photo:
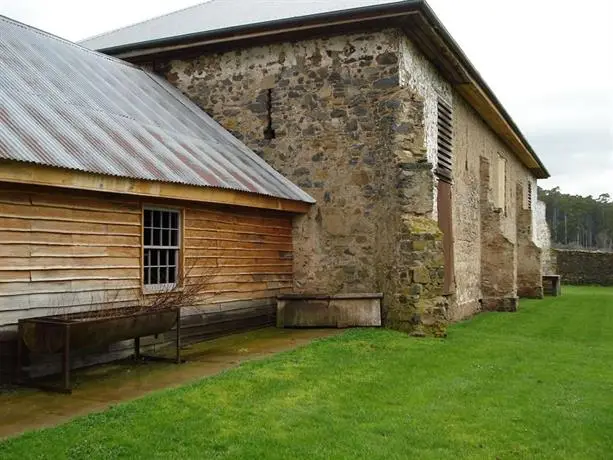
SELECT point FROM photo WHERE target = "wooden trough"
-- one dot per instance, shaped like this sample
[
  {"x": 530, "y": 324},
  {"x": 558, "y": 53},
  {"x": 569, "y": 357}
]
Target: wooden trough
[
  {"x": 69, "y": 332},
  {"x": 340, "y": 310}
]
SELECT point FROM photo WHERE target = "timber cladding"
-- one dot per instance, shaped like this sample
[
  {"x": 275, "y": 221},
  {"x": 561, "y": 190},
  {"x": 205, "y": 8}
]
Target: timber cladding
[{"x": 64, "y": 252}]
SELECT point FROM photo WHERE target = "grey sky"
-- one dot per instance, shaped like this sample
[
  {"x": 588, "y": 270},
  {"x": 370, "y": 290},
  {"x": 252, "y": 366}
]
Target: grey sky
[{"x": 550, "y": 62}]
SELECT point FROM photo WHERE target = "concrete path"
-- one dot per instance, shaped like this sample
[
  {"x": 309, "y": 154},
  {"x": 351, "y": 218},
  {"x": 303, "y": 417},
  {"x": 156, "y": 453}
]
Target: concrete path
[{"x": 99, "y": 387}]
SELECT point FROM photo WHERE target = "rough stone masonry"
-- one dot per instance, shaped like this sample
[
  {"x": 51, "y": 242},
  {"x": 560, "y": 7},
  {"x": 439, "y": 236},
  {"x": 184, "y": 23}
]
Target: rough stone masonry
[
  {"x": 347, "y": 134},
  {"x": 351, "y": 119}
]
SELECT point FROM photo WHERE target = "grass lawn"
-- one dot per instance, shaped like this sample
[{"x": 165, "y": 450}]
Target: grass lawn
[{"x": 535, "y": 384}]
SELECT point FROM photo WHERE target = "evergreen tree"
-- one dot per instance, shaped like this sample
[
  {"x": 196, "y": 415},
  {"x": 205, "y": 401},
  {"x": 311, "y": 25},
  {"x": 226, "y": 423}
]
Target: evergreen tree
[{"x": 578, "y": 221}]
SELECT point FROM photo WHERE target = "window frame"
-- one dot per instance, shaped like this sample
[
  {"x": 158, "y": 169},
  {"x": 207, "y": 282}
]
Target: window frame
[{"x": 162, "y": 287}]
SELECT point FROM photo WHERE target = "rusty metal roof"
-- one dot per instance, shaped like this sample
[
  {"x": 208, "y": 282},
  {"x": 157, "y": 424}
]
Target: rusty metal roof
[{"x": 63, "y": 105}]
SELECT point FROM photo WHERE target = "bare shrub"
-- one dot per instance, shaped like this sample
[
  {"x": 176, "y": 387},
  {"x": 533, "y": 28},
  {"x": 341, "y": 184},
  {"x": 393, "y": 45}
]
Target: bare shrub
[{"x": 188, "y": 291}]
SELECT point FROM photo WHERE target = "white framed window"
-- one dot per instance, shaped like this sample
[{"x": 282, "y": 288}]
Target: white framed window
[{"x": 161, "y": 247}]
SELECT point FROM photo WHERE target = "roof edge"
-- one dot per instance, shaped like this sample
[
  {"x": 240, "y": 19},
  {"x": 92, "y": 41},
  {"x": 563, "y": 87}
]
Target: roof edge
[
  {"x": 398, "y": 6},
  {"x": 19, "y": 172},
  {"x": 49, "y": 35},
  {"x": 465, "y": 61}
]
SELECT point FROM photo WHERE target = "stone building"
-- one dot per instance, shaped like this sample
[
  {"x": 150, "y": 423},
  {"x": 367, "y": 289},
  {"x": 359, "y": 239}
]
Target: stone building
[{"x": 424, "y": 184}]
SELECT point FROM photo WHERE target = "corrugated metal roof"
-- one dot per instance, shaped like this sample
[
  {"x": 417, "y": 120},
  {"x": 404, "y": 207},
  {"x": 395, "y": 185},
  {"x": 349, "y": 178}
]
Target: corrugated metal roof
[
  {"x": 222, "y": 14},
  {"x": 66, "y": 106}
]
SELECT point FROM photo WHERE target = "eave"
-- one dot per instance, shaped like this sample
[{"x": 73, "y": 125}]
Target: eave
[
  {"x": 415, "y": 18},
  {"x": 33, "y": 174}
]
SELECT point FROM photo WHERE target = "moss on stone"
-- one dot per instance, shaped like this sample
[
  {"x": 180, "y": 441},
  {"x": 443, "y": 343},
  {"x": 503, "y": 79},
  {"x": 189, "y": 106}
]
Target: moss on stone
[{"x": 423, "y": 225}]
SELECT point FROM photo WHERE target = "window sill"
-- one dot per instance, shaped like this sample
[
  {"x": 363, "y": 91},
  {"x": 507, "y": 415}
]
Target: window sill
[{"x": 152, "y": 289}]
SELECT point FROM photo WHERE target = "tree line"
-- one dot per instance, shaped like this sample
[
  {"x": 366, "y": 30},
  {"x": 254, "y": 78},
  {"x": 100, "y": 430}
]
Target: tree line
[{"x": 579, "y": 222}]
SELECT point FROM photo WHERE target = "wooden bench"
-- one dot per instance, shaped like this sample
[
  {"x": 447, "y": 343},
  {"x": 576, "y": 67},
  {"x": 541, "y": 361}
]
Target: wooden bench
[{"x": 552, "y": 285}]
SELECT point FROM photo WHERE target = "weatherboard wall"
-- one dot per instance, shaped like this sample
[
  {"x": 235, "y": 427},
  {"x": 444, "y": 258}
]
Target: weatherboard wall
[{"x": 63, "y": 252}]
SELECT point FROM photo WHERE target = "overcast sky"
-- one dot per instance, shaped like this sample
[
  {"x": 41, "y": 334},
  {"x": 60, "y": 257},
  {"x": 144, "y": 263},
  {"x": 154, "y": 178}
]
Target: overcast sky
[{"x": 550, "y": 62}]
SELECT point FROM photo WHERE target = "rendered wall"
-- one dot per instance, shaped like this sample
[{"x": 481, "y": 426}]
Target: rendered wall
[{"x": 543, "y": 239}]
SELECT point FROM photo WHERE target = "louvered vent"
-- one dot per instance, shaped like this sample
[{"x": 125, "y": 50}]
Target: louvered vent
[
  {"x": 444, "y": 167},
  {"x": 529, "y": 195}
]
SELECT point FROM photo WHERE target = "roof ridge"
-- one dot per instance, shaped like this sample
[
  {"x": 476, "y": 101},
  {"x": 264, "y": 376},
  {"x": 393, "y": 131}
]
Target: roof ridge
[
  {"x": 108, "y": 32},
  {"x": 66, "y": 42}
]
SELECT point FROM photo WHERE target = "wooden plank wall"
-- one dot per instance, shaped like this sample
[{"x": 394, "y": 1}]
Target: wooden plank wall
[{"x": 62, "y": 252}]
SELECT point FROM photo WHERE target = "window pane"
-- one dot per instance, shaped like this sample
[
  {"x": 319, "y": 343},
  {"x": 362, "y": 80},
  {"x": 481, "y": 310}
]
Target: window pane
[
  {"x": 174, "y": 220},
  {"x": 155, "y": 257},
  {"x": 147, "y": 238},
  {"x": 156, "y": 237},
  {"x": 147, "y": 261},
  {"x": 164, "y": 258},
  {"x": 174, "y": 237},
  {"x": 166, "y": 220},
  {"x": 156, "y": 219},
  {"x": 154, "y": 275},
  {"x": 146, "y": 276},
  {"x": 172, "y": 275},
  {"x": 165, "y": 237},
  {"x": 147, "y": 218},
  {"x": 163, "y": 275}
]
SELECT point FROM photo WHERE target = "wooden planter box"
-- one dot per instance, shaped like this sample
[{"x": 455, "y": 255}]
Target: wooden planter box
[
  {"x": 65, "y": 333},
  {"x": 340, "y": 311}
]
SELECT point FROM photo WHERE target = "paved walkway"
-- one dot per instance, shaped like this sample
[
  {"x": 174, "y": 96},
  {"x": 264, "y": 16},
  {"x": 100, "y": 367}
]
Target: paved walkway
[{"x": 99, "y": 387}]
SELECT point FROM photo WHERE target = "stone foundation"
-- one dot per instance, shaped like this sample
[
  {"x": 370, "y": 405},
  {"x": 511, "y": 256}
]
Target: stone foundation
[
  {"x": 507, "y": 304},
  {"x": 418, "y": 305}
]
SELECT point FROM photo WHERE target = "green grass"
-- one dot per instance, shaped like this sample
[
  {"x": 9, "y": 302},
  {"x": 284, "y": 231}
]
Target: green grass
[{"x": 535, "y": 384}]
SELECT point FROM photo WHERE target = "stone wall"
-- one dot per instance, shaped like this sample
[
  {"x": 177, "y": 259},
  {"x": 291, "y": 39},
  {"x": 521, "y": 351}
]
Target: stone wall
[
  {"x": 584, "y": 267},
  {"x": 348, "y": 134},
  {"x": 418, "y": 74},
  {"x": 473, "y": 139},
  {"x": 354, "y": 122},
  {"x": 476, "y": 210},
  {"x": 529, "y": 270},
  {"x": 498, "y": 253}
]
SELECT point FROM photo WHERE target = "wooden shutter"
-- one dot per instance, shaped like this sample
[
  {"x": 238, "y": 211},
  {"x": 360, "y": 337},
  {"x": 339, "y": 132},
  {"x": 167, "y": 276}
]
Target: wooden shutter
[{"x": 444, "y": 166}]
